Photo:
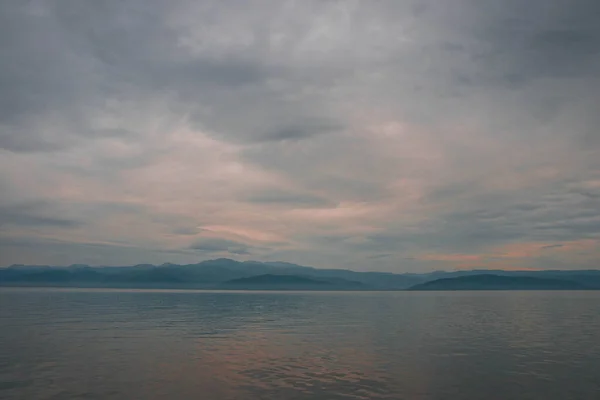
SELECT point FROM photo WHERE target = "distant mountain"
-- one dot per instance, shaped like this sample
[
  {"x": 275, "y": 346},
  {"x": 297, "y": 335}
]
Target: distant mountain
[
  {"x": 209, "y": 274},
  {"x": 499, "y": 282},
  {"x": 276, "y": 279},
  {"x": 212, "y": 274},
  {"x": 590, "y": 277}
]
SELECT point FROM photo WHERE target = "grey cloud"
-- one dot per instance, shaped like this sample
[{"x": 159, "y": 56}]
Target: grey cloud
[
  {"x": 119, "y": 48},
  {"x": 552, "y": 246},
  {"x": 228, "y": 92},
  {"x": 303, "y": 129},
  {"x": 385, "y": 242},
  {"x": 565, "y": 42},
  {"x": 588, "y": 193},
  {"x": 32, "y": 250},
  {"x": 524, "y": 39},
  {"x": 67, "y": 58},
  {"x": 552, "y": 220},
  {"x": 32, "y": 215},
  {"x": 258, "y": 114},
  {"x": 517, "y": 79},
  {"x": 288, "y": 199},
  {"x": 185, "y": 231},
  {"x": 378, "y": 256},
  {"x": 570, "y": 229},
  {"x": 215, "y": 245},
  {"x": 31, "y": 73},
  {"x": 101, "y": 209},
  {"x": 492, "y": 220},
  {"x": 337, "y": 164},
  {"x": 42, "y": 79}
]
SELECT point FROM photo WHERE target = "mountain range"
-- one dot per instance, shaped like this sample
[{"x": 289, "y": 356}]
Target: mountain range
[
  {"x": 224, "y": 273},
  {"x": 498, "y": 282}
]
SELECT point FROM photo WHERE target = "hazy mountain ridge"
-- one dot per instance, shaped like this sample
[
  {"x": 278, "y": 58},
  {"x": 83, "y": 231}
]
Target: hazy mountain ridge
[
  {"x": 500, "y": 282},
  {"x": 206, "y": 274},
  {"x": 212, "y": 274}
]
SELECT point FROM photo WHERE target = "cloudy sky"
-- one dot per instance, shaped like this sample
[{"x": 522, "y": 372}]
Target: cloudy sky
[{"x": 392, "y": 135}]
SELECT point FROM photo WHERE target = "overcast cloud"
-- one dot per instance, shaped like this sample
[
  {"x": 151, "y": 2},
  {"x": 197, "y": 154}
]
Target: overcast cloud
[{"x": 372, "y": 135}]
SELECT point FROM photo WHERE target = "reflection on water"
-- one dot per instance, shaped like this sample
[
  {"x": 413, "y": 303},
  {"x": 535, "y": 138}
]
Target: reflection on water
[{"x": 98, "y": 344}]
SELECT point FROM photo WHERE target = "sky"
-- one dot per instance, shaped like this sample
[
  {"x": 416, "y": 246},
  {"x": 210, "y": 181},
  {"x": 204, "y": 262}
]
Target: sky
[{"x": 388, "y": 135}]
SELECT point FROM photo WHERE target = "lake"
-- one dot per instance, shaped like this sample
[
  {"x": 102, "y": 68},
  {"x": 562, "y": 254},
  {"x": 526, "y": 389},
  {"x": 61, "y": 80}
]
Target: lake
[{"x": 159, "y": 344}]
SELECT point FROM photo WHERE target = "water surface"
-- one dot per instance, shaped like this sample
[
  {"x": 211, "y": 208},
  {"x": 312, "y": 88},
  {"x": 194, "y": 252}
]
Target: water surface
[{"x": 127, "y": 344}]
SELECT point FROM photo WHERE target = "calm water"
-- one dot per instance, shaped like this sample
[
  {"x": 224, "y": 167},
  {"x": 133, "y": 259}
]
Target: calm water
[{"x": 101, "y": 344}]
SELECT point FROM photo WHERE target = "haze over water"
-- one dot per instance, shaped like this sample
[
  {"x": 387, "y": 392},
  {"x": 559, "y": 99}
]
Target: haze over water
[{"x": 127, "y": 344}]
